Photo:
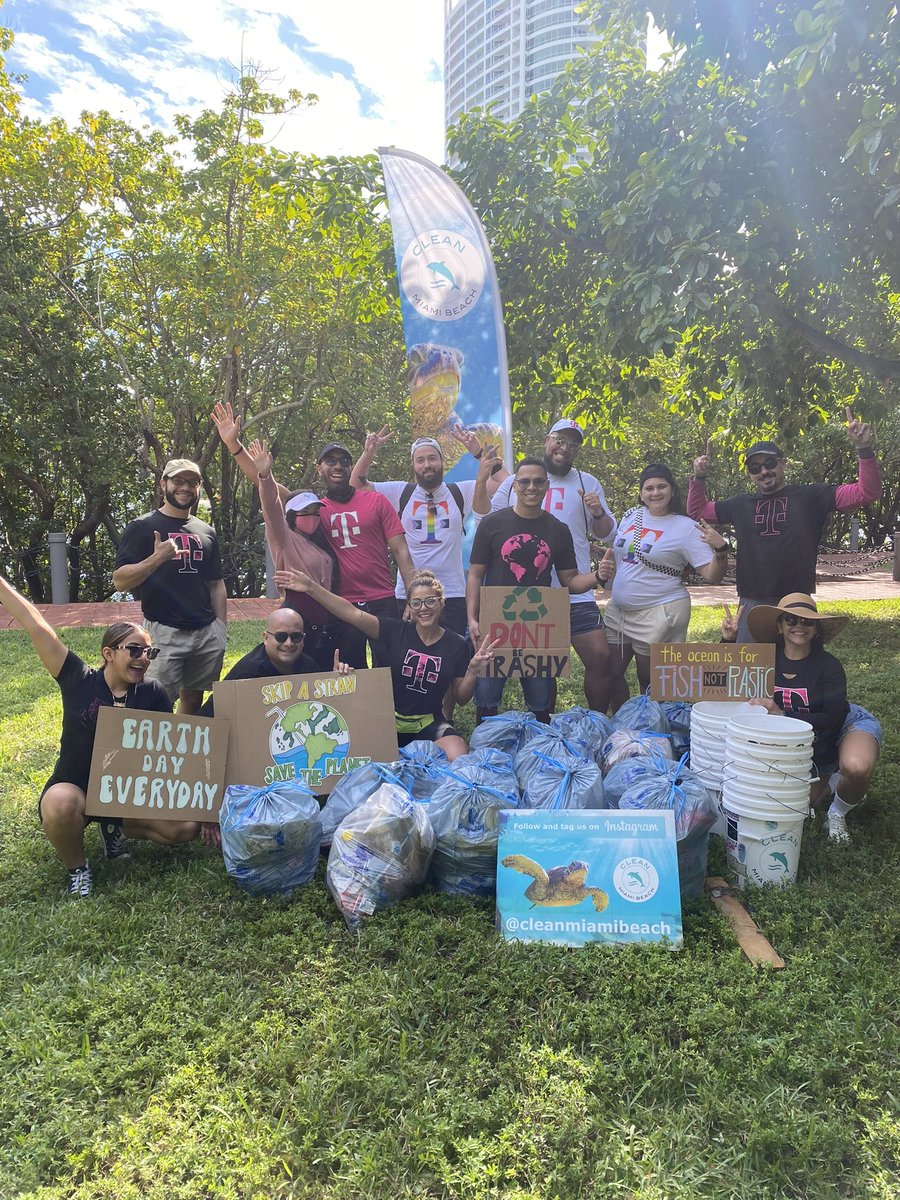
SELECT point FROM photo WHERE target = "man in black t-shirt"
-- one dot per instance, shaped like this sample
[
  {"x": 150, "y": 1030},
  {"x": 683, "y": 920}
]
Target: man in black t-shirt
[
  {"x": 519, "y": 546},
  {"x": 171, "y": 561},
  {"x": 279, "y": 653}
]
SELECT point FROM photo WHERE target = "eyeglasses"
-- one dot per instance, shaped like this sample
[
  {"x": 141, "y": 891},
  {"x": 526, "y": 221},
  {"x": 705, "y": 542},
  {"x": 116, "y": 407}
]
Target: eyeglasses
[
  {"x": 767, "y": 464},
  {"x": 337, "y": 460},
  {"x": 294, "y": 638},
  {"x": 534, "y": 484},
  {"x": 136, "y": 651},
  {"x": 790, "y": 619},
  {"x": 184, "y": 481},
  {"x": 569, "y": 443},
  {"x": 424, "y": 602}
]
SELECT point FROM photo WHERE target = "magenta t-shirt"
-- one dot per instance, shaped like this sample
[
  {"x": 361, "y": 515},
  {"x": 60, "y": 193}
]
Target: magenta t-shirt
[{"x": 359, "y": 529}]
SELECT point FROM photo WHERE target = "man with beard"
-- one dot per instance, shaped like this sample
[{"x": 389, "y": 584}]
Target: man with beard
[
  {"x": 171, "y": 561},
  {"x": 433, "y": 515},
  {"x": 779, "y": 526},
  {"x": 577, "y": 499},
  {"x": 522, "y": 545}
]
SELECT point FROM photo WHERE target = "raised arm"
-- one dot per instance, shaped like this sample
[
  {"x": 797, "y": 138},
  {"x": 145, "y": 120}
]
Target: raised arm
[
  {"x": 299, "y": 581},
  {"x": 481, "y": 498},
  {"x": 228, "y": 427},
  {"x": 699, "y": 506},
  {"x": 359, "y": 476},
  {"x": 464, "y": 686},
  {"x": 868, "y": 484},
  {"x": 714, "y": 570},
  {"x": 602, "y": 521},
  {"x": 50, "y": 649}
]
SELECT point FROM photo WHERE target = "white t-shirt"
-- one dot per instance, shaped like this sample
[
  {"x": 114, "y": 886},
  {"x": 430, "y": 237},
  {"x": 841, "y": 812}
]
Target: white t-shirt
[
  {"x": 563, "y": 502},
  {"x": 672, "y": 541},
  {"x": 433, "y": 531}
]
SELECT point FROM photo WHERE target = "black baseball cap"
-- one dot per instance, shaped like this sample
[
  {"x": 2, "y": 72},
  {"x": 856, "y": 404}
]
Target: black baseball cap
[
  {"x": 331, "y": 446},
  {"x": 762, "y": 448}
]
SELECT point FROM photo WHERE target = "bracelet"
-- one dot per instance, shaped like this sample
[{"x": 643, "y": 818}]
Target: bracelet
[
  {"x": 240, "y": 450},
  {"x": 479, "y": 454}
]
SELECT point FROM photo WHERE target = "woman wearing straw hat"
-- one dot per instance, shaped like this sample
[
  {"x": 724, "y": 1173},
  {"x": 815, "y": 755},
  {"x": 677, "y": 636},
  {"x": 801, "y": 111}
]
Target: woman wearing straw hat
[{"x": 810, "y": 684}]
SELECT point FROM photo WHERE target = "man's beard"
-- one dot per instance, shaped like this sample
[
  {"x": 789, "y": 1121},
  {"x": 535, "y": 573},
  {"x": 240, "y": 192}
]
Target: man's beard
[
  {"x": 170, "y": 499},
  {"x": 551, "y": 469},
  {"x": 340, "y": 491}
]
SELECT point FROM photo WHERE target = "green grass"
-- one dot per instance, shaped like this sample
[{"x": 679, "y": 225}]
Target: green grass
[{"x": 173, "y": 1038}]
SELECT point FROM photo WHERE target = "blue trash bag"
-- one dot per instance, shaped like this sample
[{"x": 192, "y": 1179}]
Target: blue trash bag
[
  {"x": 631, "y": 771},
  {"x": 695, "y": 813},
  {"x": 551, "y": 744},
  {"x": 583, "y": 724},
  {"x": 565, "y": 780},
  {"x": 486, "y": 766},
  {"x": 420, "y": 768},
  {"x": 678, "y": 714},
  {"x": 464, "y": 812},
  {"x": 631, "y": 743},
  {"x": 640, "y": 712},
  {"x": 508, "y": 731},
  {"x": 380, "y": 854},
  {"x": 352, "y": 790},
  {"x": 270, "y": 836}
]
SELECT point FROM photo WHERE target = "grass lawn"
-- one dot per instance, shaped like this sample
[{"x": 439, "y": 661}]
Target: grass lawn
[{"x": 172, "y": 1038}]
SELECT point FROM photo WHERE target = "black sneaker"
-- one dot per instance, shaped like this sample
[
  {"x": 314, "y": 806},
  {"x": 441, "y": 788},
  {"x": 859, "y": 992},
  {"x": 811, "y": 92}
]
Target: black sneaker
[
  {"x": 81, "y": 883},
  {"x": 115, "y": 843}
]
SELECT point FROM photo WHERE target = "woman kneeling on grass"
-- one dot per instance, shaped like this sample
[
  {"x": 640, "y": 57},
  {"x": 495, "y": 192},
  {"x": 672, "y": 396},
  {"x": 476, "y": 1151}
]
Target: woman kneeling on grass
[
  {"x": 426, "y": 660},
  {"x": 810, "y": 684},
  {"x": 119, "y": 683}
]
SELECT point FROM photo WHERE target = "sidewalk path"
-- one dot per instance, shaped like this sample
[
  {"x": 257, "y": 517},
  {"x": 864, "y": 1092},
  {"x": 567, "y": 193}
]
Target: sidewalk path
[{"x": 875, "y": 585}]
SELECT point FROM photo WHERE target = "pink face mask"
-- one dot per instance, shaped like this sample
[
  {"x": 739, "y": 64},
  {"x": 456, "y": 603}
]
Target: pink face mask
[{"x": 307, "y": 525}]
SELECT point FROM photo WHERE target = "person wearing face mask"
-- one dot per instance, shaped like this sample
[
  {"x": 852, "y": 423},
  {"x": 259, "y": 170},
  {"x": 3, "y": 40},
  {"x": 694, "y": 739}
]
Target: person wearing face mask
[
  {"x": 650, "y": 604},
  {"x": 779, "y": 526}
]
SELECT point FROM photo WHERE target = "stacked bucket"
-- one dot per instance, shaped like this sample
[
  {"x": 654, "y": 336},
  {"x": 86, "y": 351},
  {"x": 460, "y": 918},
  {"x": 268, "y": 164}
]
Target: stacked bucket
[
  {"x": 767, "y": 771},
  {"x": 709, "y": 725}
]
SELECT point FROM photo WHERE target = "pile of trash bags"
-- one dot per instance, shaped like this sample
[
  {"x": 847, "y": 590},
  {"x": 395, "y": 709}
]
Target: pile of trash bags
[{"x": 270, "y": 836}]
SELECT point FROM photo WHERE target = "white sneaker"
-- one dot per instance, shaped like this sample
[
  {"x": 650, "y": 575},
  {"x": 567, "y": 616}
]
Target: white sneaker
[{"x": 836, "y": 825}]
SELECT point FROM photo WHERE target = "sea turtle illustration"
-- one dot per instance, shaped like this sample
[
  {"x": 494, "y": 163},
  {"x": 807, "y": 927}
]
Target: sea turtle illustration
[{"x": 560, "y": 886}]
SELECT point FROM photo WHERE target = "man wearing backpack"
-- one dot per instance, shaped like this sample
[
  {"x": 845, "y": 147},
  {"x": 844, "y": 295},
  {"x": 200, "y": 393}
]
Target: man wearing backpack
[{"x": 433, "y": 515}]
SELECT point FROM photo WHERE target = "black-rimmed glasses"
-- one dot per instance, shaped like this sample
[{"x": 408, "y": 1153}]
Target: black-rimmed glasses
[
  {"x": 424, "y": 602},
  {"x": 136, "y": 651},
  {"x": 767, "y": 464},
  {"x": 280, "y": 637}
]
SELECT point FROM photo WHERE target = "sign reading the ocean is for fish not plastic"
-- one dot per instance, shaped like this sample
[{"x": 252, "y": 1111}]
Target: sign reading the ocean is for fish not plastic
[{"x": 582, "y": 877}]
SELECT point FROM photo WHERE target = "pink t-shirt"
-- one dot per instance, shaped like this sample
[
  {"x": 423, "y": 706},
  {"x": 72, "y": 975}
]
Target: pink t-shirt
[{"x": 359, "y": 529}]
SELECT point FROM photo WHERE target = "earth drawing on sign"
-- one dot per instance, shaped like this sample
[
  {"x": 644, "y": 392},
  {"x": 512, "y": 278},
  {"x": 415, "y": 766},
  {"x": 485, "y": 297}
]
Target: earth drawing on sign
[{"x": 311, "y": 736}]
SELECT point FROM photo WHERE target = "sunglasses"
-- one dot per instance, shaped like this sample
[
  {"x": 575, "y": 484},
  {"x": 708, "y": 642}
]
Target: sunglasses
[
  {"x": 791, "y": 620},
  {"x": 136, "y": 651},
  {"x": 535, "y": 484},
  {"x": 426, "y": 602},
  {"x": 767, "y": 464},
  {"x": 294, "y": 638}
]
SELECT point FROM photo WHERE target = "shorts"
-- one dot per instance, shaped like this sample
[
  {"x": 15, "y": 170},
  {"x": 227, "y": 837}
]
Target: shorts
[
  {"x": 431, "y": 733},
  {"x": 538, "y": 693},
  {"x": 190, "y": 659},
  {"x": 646, "y": 627},
  {"x": 860, "y": 720},
  {"x": 584, "y": 618}
]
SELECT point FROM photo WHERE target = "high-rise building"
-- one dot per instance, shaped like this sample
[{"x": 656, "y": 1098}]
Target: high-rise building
[{"x": 499, "y": 52}]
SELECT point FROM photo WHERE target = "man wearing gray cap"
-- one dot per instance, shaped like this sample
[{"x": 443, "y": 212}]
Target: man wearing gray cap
[
  {"x": 779, "y": 526},
  {"x": 432, "y": 513},
  {"x": 171, "y": 561}
]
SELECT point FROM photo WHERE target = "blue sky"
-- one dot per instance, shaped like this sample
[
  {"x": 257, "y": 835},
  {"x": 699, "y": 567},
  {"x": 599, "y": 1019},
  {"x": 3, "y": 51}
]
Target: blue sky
[{"x": 375, "y": 66}]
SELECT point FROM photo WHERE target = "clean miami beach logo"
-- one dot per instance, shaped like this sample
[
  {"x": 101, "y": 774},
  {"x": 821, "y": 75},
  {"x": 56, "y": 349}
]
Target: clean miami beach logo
[
  {"x": 635, "y": 879},
  {"x": 442, "y": 274}
]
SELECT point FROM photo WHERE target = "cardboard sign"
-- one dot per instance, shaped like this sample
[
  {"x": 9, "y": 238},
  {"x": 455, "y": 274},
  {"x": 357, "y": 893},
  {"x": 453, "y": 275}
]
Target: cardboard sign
[
  {"x": 310, "y": 727},
  {"x": 532, "y": 626},
  {"x": 157, "y": 766},
  {"x": 585, "y": 876},
  {"x": 712, "y": 671}
]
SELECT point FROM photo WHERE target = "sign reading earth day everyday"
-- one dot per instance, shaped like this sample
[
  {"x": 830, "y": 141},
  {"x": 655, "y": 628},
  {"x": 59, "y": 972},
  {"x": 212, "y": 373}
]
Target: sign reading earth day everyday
[
  {"x": 157, "y": 766},
  {"x": 694, "y": 671},
  {"x": 314, "y": 728},
  {"x": 532, "y": 626},
  {"x": 588, "y": 876}
]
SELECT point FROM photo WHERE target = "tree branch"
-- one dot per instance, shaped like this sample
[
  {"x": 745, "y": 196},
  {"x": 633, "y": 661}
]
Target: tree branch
[{"x": 872, "y": 364}]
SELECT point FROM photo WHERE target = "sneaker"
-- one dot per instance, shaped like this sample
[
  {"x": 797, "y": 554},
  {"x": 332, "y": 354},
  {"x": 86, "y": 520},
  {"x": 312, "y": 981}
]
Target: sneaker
[
  {"x": 80, "y": 882},
  {"x": 115, "y": 843},
  {"x": 836, "y": 825}
]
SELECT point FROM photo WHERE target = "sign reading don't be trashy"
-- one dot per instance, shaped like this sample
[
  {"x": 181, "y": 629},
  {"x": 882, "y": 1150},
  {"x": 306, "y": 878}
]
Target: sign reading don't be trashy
[{"x": 530, "y": 626}]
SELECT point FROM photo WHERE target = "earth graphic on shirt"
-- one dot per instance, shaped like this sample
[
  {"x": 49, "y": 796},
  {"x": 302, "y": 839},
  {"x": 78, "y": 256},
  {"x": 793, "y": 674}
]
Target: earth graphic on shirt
[
  {"x": 308, "y": 734},
  {"x": 526, "y": 556}
]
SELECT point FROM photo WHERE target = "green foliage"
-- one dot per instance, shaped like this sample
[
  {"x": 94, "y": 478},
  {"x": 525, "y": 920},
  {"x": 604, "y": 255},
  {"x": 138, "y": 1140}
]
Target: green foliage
[{"x": 173, "y": 1039}]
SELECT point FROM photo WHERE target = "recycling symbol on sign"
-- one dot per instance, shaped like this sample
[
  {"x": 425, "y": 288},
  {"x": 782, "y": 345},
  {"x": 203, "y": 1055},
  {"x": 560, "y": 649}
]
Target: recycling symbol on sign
[{"x": 524, "y": 604}]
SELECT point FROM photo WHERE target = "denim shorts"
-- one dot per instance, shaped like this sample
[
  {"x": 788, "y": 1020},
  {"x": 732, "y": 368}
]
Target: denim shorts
[
  {"x": 860, "y": 720},
  {"x": 583, "y": 618}
]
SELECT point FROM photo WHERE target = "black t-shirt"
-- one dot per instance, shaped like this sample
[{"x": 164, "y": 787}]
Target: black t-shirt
[
  {"x": 517, "y": 550},
  {"x": 177, "y": 593},
  {"x": 420, "y": 674},
  {"x": 256, "y": 664},
  {"x": 84, "y": 692},
  {"x": 813, "y": 689},
  {"x": 778, "y": 537}
]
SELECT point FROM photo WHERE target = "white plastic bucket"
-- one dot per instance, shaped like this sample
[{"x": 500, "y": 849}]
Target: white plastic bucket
[
  {"x": 767, "y": 781},
  {"x": 762, "y": 850},
  {"x": 712, "y": 712},
  {"x": 755, "y": 756},
  {"x": 770, "y": 732}
]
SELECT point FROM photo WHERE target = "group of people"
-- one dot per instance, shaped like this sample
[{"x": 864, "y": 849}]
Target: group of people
[{"x": 539, "y": 525}]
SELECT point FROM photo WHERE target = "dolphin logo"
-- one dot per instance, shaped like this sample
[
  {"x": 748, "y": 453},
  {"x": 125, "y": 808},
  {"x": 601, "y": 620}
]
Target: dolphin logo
[
  {"x": 441, "y": 269},
  {"x": 637, "y": 878},
  {"x": 780, "y": 858}
]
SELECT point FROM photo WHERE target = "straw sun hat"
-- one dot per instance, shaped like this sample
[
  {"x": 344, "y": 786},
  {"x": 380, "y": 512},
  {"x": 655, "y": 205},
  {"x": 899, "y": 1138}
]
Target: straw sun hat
[{"x": 762, "y": 621}]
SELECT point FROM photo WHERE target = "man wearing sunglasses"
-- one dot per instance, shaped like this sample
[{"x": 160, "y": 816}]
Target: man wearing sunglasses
[
  {"x": 280, "y": 652},
  {"x": 170, "y": 560},
  {"x": 778, "y": 525}
]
